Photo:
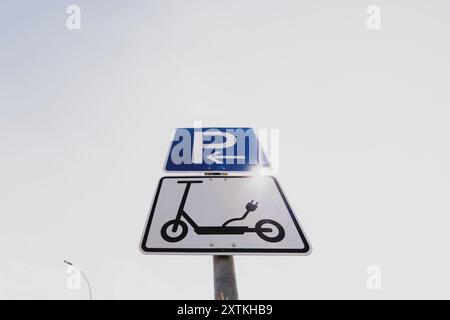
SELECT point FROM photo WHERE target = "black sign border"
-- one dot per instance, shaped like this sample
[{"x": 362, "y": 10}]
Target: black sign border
[{"x": 146, "y": 250}]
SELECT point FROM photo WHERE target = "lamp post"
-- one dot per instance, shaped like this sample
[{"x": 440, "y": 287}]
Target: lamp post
[{"x": 84, "y": 276}]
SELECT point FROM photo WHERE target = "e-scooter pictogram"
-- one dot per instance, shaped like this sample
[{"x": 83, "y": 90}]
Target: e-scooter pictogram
[{"x": 174, "y": 226}]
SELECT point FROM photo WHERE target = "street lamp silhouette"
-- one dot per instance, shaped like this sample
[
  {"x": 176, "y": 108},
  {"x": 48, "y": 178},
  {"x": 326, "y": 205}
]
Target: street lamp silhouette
[{"x": 84, "y": 276}]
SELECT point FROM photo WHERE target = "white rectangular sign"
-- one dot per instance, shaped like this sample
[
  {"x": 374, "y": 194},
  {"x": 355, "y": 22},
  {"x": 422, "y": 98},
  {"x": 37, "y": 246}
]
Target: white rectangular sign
[{"x": 222, "y": 215}]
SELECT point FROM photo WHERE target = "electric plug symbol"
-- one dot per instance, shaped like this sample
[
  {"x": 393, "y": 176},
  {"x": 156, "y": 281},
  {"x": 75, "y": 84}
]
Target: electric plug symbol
[{"x": 251, "y": 206}]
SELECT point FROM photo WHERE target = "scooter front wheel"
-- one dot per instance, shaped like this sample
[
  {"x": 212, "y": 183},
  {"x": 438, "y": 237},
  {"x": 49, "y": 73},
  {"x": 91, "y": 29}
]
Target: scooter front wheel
[
  {"x": 169, "y": 236},
  {"x": 260, "y": 226}
]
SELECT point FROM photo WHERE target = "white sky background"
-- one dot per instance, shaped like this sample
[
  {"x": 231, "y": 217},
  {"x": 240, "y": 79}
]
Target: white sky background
[{"x": 86, "y": 117}]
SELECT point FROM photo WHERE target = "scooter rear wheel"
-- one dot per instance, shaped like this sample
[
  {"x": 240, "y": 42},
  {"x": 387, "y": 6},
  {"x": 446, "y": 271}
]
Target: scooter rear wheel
[
  {"x": 259, "y": 230},
  {"x": 167, "y": 228}
]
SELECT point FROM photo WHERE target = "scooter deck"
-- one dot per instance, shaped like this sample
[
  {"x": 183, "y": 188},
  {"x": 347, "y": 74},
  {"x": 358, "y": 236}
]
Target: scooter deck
[{"x": 227, "y": 230}]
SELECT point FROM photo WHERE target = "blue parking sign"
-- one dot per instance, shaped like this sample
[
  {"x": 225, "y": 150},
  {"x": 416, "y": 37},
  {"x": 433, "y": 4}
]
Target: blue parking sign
[{"x": 215, "y": 149}]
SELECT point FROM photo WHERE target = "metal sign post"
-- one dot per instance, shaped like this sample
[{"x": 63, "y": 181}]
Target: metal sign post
[{"x": 224, "y": 278}]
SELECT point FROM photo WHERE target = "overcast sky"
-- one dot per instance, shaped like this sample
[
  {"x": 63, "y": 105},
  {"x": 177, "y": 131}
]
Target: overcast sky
[{"x": 86, "y": 118}]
